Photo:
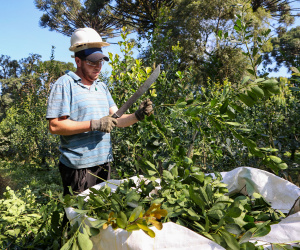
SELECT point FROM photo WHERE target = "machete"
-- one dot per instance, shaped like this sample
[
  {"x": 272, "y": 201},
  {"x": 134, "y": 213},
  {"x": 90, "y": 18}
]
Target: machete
[{"x": 138, "y": 93}]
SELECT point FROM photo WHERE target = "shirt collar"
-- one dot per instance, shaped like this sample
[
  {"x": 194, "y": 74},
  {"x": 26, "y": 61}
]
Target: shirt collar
[{"x": 75, "y": 77}]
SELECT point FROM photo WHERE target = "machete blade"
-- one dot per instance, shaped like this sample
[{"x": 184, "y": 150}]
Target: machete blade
[{"x": 142, "y": 89}]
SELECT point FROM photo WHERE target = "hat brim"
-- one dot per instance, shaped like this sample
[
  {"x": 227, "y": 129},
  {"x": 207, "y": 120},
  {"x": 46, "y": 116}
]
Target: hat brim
[
  {"x": 96, "y": 57},
  {"x": 91, "y": 54},
  {"x": 81, "y": 46}
]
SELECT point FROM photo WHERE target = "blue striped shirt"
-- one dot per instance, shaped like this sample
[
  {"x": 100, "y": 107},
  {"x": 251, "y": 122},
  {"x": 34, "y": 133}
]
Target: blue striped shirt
[{"x": 70, "y": 97}]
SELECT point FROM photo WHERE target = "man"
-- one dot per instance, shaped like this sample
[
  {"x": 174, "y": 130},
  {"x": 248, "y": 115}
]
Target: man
[{"x": 80, "y": 109}]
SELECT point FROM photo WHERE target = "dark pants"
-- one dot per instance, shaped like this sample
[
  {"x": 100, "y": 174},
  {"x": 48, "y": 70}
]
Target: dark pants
[{"x": 81, "y": 179}]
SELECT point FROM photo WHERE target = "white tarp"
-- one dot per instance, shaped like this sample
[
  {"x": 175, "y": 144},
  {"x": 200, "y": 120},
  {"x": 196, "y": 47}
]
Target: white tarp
[{"x": 280, "y": 193}]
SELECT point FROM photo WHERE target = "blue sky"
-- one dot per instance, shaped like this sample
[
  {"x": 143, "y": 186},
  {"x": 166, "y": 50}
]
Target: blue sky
[{"x": 22, "y": 35}]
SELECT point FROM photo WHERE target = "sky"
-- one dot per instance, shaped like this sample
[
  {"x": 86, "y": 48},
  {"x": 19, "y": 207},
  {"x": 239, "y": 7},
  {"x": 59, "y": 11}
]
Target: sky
[{"x": 21, "y": 35}]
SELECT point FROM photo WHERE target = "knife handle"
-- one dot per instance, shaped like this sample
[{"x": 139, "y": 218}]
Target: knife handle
[{"x": 115, "y": 115}]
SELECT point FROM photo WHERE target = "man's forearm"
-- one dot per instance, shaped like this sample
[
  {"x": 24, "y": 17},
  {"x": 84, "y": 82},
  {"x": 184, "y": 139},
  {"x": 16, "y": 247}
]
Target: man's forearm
[
  {"x": 126, "y": 120},
  {"x": 63, "y": 126}
]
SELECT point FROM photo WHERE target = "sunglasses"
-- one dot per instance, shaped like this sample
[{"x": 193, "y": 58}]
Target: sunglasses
[{"x": 95, "y": 64}]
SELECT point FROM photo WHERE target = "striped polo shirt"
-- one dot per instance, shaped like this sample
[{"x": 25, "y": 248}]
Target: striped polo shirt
[{"x": 70, "y": 97}]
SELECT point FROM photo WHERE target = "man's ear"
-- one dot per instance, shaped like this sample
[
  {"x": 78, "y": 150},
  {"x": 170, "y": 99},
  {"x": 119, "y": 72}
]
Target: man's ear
[{"x": 78, "y": 61}]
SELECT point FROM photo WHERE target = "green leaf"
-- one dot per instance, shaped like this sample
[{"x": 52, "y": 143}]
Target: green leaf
[
  {"x": 135, "y": 213},
  {"x": 274, "y": 89},
  {"x": 84, "y": 241},
  {"x": 97, "y": 223},
  {"x": 216, "y": 124},
  {"x": 282, "y": 166},
  {"x": 237, "y": 28},
  {"x": 68, "y": 244},
  {"x": 195, "y": 111},
  {"x": 251, "y": 71},
  {"x": 269, "y": 149},
  {"x": 250, "y": 143},
  {"x": 269, "y": 83},
  {"x": 258, "y": 91},
  {"x": 254, "y": 52},
  {"x": 267, "y": 93},
  {"x": 199, "y": 176},
  {"x": 94, "y": 231},
  {"x": 275, "y": 159},
  {"x": 233, "y": 123},
  {"x": 258, "y": 62},
  {"x": 187, "y": 161},
  {"x": 234, "y": 212},
  {"x": 262, "y": 230},
  {"x": 245, "y": 80},
  {"x": 151, "y": 165},
  {"x": 252, "y": 95},
  {"x": 230, "y": 112},
  {"x": 220, "y": 34},
  {"x": 247, "y": 246},
  {"x": 259, "y": 80},
  {"x": 213, "y": 102},
  {"x": 196, "y": 198},
  {"x": 122, "y": 220},
  {"x": 230, "y": 240},
  {"x": 246, "y": 237},
  {"x": 233, "y": 228},
  {"x": 79, "y": 211},
  {"x": 216, "y": 214},
  {"x": 294, "y": 89},
  {"x": 223, "y": 108},
  {"x": 167, "y": 175},
  {"x": 181, "y": 104},
  {"x": 294, "y": 69},
  {"x": 146, "y": 230},
  {"x": 246, "y": 99}
]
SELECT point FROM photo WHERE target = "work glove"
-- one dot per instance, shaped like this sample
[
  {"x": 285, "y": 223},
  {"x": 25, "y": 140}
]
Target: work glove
[
  {"x": 105, "y": 124},
  {"x": 144, "y": 109}
]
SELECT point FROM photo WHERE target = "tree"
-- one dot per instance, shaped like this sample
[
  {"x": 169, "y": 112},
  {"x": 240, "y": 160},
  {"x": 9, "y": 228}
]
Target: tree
[
  {"x": 286, "y": 50},
  {"x": 23, "y": 127},
  {"x": 66, "y": 16},
  {"x": 196, "y": 26},
  {"x": 12, "y": 78},
  {"x": 143, "y": 15}
]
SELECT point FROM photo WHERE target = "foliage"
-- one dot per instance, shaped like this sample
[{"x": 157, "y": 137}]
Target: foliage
[
  {"x": 126, "y": 208},
  {"x": 285, "y": 50},
  {"x": 234, "y": 116},
  {"x": 143, "y": 15},
  {"x": 24, "y": 131},
  {"x": 40, "y": 180},
  {"x": 188, "y": 198},
  {"x": 279, "y": 9},
  {"x": 211, "y": 117},
  {"x": 66, "y": 16},
  {"x": 12, "y": 78},
  {"x": 201, "y": 203},
  {"x": 27, "y": 224}
]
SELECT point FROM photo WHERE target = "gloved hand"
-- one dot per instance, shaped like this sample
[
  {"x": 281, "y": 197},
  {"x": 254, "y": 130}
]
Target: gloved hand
[
  {"x": 105, "y": 124},
  {"x": 144, "y": 109}
]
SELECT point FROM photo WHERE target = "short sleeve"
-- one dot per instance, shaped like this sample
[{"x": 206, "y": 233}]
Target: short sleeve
[
  {"x": 110, "y": 100},
  {"x": 59, "y": 100}
]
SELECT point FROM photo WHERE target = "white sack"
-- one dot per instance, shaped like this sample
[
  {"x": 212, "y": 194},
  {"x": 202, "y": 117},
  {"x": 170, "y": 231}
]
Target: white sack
[
  {"x": 171, "y": 237},
  {"x": 279, "y": 192}
]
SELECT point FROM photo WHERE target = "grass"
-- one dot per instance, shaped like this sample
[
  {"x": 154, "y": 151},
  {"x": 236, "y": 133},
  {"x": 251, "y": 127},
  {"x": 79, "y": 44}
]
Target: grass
[{"x": 19, "y": 175}]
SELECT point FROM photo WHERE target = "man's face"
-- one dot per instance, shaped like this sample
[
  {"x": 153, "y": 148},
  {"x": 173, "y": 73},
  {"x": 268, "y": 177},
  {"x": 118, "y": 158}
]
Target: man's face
[{"x": 90, "y": 71}]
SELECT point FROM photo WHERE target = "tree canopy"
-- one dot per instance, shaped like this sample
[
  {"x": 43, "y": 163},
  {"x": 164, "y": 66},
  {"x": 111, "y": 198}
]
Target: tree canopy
[{"x": 286, "y": 50}]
